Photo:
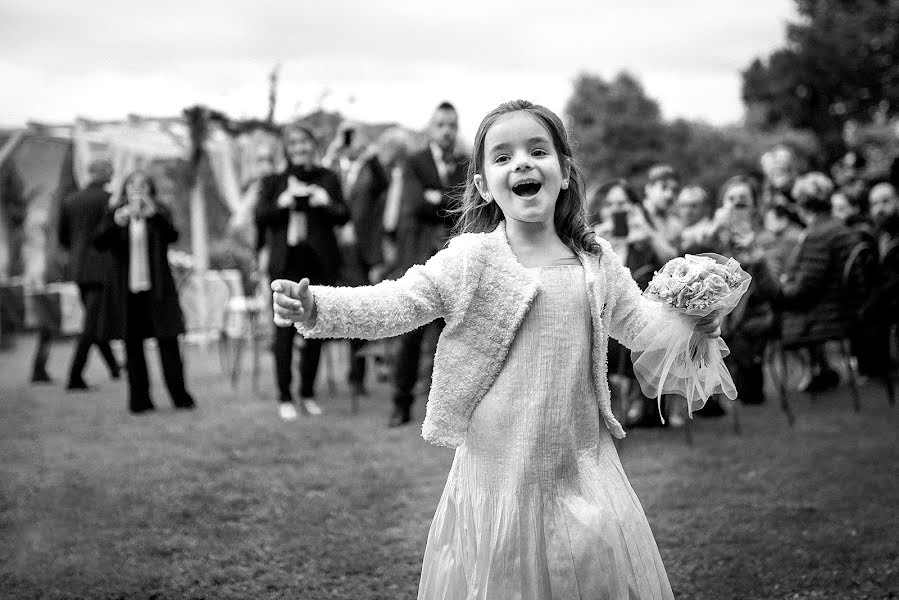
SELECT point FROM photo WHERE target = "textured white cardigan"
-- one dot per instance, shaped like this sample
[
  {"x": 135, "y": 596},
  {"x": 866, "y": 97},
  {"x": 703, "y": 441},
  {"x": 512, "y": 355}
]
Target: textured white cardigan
[{"x": 483, "y": 293}]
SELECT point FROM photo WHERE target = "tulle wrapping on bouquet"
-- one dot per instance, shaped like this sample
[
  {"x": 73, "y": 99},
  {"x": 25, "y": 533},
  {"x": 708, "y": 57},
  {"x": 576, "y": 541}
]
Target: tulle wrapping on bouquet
[{"x": 669, "y": 359}]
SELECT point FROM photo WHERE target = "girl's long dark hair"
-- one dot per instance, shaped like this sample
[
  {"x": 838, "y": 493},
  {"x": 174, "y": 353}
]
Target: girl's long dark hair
[{"x": 476, "y": 215}]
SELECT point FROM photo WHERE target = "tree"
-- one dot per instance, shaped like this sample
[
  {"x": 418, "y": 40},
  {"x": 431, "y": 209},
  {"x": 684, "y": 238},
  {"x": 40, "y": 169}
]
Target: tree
[
  {"x": 617, "y": 128},
  {"x": 619, "y": 132},
  {"x": 841, "y": 62}
]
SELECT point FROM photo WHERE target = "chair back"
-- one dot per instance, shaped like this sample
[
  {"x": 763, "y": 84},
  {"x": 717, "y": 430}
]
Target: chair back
[
  {"x": 860, "y": 276},
  {"x": 889, "y": 271},
  {"x": 888, "y": 256}
]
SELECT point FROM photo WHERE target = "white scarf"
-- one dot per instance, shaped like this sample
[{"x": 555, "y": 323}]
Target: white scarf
[{"x": 139, "y": 256}]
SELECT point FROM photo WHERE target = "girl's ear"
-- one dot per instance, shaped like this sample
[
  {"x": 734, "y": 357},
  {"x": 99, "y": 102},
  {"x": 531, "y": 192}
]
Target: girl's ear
[
  {"x": 565, "y": 164},
  {"x": 566, "y": 168},
  {"x": 481, "y": 185}
]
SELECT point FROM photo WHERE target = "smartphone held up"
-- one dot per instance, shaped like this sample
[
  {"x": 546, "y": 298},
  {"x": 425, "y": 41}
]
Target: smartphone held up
[{"x": 620, "y": 227}]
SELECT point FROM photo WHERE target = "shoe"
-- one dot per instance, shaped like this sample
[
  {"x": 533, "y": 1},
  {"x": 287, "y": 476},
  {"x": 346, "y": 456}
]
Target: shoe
[
  {"x": 311, "y": 407},
  {"x": 752, "y": 400},
  {"x": 676, "y": 420},
  {"x": 287, "y": 411},
  {"x": 824, "y": 380},
  {"x": 78, "y": 386},
  {"x": 41, "y": 377},
  {"x": 400, "y": 417},
  {"x": 635, "y": 412},
  {"x": 712, "y": 408},
  {"x": 186, "y": 406},
  {"x": 142, "y": 410},
  {"x": 117, "y": 374}
]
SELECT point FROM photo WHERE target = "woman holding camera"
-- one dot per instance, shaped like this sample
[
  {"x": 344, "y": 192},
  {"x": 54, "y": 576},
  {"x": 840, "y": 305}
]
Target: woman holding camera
[
  {"x": 736, "y": 231},
  {"x": 140, "y": 297},
  {"x": 618, "y": 216},
  {"x": 297, "y": 212}
]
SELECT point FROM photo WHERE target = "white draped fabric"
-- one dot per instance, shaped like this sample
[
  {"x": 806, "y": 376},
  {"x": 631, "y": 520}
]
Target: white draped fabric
[{"x": 136, "y": 142}]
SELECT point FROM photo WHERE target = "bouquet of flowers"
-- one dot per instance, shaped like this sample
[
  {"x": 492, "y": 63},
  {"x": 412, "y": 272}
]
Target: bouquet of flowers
[{"x": 670, "y": 359}]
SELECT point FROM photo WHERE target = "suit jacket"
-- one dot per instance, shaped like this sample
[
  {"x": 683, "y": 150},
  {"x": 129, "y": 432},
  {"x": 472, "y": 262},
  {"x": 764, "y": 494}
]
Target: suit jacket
[
  {"x": 813, "y": 297},
  {"x": 424, "y": 228},
  {"x": 366, "y": 199},
  {"x": 884, "y": 302},
  {"x": 483, "y": 293},
  {"x": 272, "y": 220},
  {"x": 165, "y": 315},
  {"x": 79, "y": 217}
]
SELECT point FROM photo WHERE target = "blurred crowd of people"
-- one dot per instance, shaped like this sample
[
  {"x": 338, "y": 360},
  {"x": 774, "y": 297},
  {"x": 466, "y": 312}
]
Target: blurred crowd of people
[
  {"x": 327, "y": 217},
  {"x": 821, "y": 248}
]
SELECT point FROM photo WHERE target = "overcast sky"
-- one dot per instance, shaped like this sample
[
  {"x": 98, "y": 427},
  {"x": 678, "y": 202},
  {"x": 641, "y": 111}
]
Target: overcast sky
[{"x": 385, "y": 60}]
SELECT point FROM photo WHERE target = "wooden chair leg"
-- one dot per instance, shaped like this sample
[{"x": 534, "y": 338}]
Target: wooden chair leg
[
  {"x": 782, "y": 384},
  {"x": 846, "y": 351},
  {"x": 688, "y": 430},
  {"x": 330, "y": 364},
  {"x": 254, "y": 373},
  {"x": 238, "y": 362}
]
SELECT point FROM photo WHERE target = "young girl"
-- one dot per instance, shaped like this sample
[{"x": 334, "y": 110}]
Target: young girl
[{"x": 537, "y": 504}]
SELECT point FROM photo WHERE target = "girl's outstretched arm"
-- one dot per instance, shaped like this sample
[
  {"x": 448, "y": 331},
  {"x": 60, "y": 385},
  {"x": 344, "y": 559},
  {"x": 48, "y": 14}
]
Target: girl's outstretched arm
[{"x": 371, "y": 312}]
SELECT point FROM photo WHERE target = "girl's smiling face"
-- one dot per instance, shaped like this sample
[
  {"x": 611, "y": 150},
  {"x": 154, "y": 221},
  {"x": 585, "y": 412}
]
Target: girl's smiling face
[{"x": 522, "y": 171}]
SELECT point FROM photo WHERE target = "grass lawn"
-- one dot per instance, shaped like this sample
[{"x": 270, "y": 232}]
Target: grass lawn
[{"x": 229, "y": 502}]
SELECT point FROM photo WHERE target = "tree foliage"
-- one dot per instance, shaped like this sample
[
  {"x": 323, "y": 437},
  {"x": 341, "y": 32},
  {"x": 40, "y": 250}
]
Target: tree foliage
[
  {"x": 617, "y": 128},
  {"x": 840, "y": 62},
  {"x": 619, "y": 132}
]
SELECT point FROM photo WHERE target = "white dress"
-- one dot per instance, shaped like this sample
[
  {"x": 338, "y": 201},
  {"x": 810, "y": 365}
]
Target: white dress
[{"x": 537, "y": 505}]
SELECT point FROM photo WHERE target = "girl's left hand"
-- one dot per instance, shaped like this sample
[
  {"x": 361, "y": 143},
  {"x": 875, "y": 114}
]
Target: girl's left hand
[{"x": 709, "y": 326}]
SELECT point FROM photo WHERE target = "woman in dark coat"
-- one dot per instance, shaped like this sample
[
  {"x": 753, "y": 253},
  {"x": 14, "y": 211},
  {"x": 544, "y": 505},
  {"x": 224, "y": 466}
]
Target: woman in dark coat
[
  {"x": 735, "y": 232},
  {"x": 618, "y": 216},
  {"x": 812, "y": 295},
  {"x": 297, "y": 212},
  {"x": 140, "y": 297}
]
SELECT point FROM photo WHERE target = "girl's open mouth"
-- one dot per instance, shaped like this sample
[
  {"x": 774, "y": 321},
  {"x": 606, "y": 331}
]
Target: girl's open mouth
[{"x": 526, "y": 188}]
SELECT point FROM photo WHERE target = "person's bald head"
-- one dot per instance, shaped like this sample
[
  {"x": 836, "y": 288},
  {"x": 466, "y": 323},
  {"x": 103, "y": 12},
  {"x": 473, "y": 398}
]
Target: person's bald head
[
  {"x": 100, "y": 170},
  {"x": 883, "y": 201}
]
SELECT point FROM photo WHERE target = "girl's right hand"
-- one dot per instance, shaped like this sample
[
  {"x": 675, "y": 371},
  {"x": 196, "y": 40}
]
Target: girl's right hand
[{"x": 292, "y": 301}]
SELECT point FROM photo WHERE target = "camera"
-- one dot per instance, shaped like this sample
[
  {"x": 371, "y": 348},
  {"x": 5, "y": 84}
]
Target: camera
[
  {"x": 301, "y": 202},
  {"x": 620, "y": 228}
]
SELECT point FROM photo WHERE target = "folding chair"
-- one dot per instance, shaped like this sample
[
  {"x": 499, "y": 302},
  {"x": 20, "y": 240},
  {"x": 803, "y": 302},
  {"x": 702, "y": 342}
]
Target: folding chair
[{"x": 860, "y": 267}]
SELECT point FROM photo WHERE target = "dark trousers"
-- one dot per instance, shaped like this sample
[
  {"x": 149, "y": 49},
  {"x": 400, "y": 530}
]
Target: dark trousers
[
  {"x": 91, "y": 297},
  {"x": 357, "y": 363},
  {"x": 354, "y": 272},
  {"x": 41, "y": 355},
  {"x": 169, "y": 355},
  {"x": 408, "y": 361},
  {"x": 871, "y": 346},
  {"x": 300, "y": 261},
  {"x": 309, "y": 358}
]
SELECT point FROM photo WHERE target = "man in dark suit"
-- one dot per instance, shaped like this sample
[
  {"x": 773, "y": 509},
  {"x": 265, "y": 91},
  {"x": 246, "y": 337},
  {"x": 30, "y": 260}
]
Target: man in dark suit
[
  {"x": 80, "y": 215},
  {"x": 432, "y": 180}
]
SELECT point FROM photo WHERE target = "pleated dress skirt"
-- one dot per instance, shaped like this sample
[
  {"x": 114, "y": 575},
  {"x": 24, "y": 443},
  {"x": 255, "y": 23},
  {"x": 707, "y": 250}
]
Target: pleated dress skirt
[{"x": 537, "y": 505}]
